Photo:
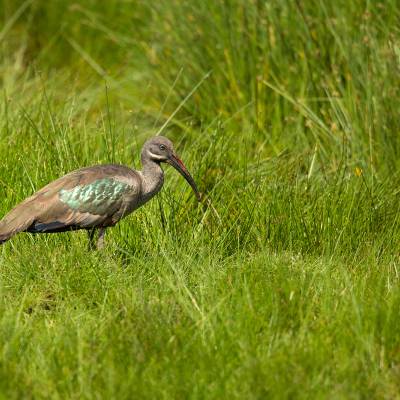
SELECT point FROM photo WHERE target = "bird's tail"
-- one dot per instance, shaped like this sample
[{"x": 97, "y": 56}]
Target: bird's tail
[
  {"x": 14, "y": 222},
  {"x": 3, "y": 239},
  {"x": 5, "y": 234}
]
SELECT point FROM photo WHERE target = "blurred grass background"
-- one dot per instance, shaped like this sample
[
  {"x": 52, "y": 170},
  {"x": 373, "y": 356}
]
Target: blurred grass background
[{"x": 286, "y": 113}]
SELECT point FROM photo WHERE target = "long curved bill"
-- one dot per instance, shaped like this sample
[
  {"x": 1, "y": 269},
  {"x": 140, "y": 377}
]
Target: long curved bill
[{"x": 180, "y": 167}]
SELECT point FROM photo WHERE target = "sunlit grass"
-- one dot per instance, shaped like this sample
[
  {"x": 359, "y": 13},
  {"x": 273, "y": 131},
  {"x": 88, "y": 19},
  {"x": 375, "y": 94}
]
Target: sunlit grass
[{"x": 284, "y": 282}]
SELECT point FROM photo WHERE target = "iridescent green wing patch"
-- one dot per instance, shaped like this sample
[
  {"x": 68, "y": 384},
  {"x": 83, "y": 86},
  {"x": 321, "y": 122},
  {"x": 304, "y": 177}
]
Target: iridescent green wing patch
[{"x": 100, "y": 197}]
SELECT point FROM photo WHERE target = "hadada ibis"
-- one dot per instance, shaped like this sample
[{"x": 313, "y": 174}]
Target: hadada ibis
[{"x": 94, "y": 198}]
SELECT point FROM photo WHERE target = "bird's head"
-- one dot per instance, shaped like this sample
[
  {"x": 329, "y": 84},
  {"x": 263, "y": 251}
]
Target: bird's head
[{"x": 160, "y": 149}]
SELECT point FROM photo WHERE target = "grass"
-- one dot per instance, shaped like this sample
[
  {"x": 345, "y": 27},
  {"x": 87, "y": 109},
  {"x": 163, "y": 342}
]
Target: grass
[{"x": 284, "y": 283}]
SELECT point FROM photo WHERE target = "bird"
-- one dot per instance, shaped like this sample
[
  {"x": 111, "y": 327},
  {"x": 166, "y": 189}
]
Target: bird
[{"x": 95, "y": 198}]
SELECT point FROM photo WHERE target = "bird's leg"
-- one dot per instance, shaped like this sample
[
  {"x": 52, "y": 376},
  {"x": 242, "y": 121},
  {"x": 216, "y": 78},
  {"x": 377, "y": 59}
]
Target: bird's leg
[
  {"x": 91, "y": 244},
  {"x": 100, "y": 240}
]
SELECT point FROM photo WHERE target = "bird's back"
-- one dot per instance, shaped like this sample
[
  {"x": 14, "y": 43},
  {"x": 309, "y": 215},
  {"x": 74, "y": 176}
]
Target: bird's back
[{"x": 88, "y": 197}]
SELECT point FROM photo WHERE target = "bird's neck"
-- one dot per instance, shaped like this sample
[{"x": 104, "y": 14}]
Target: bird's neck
[{"x": 153, "y": 177}]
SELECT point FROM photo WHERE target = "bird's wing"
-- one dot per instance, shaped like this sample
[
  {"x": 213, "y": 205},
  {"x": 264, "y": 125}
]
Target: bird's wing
[{"x": 84, "y": 198}]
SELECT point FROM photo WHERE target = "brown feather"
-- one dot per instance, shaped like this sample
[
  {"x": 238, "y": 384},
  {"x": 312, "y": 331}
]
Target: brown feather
[{"x": 44, "y": 207}]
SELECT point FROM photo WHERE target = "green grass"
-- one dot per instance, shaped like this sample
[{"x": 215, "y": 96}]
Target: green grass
[{"x": 285, "y": 282}]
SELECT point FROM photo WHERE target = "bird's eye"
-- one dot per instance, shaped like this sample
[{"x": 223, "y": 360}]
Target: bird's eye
[{"x": 162, "y": 147}]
